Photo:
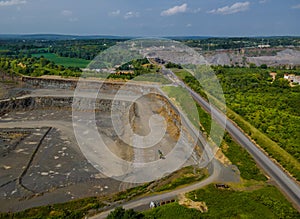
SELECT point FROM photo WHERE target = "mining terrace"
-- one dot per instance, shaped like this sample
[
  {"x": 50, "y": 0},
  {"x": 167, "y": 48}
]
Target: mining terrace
[{"x": 41, "y": 162}]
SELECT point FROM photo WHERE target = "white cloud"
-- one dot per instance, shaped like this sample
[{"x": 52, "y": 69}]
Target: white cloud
[
  {"x": 115, "y": 13},
  {"x": 12, "y": 2},
  {"x": 73, "y": 19},
  {"x": 67, "y": 13},
  {"x": 195, "y": 11},
  {"x": 131, "y": 14},
  {"x": 296, "y": 7},
  {"x": 235, "y": 8},
  {"x": 189, "y": 25},
  {"x": 263, "y": 1},
  {"x": 174, "y": 10}
]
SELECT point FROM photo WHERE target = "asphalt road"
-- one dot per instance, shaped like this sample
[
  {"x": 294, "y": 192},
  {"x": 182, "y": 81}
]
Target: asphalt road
[
  {"x": 138, "y": 203},
  {"x": 286, "y": 184}
]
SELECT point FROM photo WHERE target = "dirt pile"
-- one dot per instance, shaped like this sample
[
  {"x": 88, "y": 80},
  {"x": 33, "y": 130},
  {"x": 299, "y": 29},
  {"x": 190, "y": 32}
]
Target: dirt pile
[{"x": 200, "y": 206}]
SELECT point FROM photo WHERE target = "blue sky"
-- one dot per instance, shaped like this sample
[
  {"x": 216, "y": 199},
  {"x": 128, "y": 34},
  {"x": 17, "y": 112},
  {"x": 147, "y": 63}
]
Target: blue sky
[{"x": 151, "y": 18}]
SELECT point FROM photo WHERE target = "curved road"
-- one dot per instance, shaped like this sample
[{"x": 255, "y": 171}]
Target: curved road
[
  {"x": 67, "y": 129},
  {"x": 284, "y": 182},
  {"x": 165, "y": 196}
]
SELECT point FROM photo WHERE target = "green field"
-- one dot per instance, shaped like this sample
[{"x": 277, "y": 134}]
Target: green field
[
  {"x": 72, "y": 209},
  {"x": 266, "y": 202},
  {"x": 65, "y": 61}
]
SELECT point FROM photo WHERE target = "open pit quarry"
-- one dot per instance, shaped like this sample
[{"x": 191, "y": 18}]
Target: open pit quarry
[{"x": 41, "y": 161}]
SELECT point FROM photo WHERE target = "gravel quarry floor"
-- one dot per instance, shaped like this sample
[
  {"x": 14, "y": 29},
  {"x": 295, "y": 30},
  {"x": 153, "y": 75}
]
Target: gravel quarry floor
[{"x": 41, "y": 162}]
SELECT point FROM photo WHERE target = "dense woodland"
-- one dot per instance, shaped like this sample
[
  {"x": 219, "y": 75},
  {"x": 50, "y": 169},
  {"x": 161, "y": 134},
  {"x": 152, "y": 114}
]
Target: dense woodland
[
  {"x": 272, "y": 107},
  {"x": 36, "y": 67},
  {"x": 84, "y": 49},
  {"x": 88, "y": 49},
  {"x": 236, "y": 43}
]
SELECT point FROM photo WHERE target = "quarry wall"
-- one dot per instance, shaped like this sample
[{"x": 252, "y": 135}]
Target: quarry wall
[
  {"x": 167, "y": 109},
  {"x": 61, "y": 103}
]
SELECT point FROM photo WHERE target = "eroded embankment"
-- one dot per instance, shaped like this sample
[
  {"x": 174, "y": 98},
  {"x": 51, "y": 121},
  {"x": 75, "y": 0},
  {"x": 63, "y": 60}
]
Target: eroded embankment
[
  {"x": 165, "y": 109},
  {"x": 63, "y": 103}
]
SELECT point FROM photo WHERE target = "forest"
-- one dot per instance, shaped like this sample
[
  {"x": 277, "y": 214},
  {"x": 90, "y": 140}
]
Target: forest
[
  {"x": 36, "y": 67},
  {"x": 88, "y": 49},
  {"x": 272, "y": 107},
  {"x": 268, "y": 111}
]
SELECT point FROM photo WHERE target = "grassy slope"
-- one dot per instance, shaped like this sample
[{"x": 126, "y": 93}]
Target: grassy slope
[
  {"x": 73, "y": 209},
  {"x": 65, "y": 61},
  {"x": 266, "y": 202},
  {"x": 236, "y": 154}
]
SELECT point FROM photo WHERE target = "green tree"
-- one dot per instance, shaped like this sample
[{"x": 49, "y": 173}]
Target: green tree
[
  {"x": 118, "y": 213},
  {"x": 264, "y": 66},
  {"x": 121, "y": 213},
  {"x": 252, "y": 65}
]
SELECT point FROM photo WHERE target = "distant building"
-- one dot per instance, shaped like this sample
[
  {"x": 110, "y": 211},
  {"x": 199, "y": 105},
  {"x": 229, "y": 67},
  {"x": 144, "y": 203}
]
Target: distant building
[
  {"x": 286, "y": 76},
  {"x": 263, "y": 46},
  {"x": 292, "y": 78}
]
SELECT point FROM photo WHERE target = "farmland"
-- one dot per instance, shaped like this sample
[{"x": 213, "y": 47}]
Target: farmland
[{"x": 64, "y": 61}]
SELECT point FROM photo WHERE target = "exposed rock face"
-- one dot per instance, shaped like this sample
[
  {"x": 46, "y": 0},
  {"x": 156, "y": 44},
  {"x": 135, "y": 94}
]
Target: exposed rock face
[
  {"x": 101, "y": 104},
  {"x": 220, "y": 59},
  {"x": 285, "y": 57},
  {"x": 71, "y": 84},
  {"x": 33, "y": 103},
  {"x": 50, "y": 83}
]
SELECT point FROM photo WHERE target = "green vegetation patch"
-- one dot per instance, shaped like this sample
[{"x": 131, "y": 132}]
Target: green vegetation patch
[
  {"x": 121, "y": 213},
  {"x": 183, "y": 100},
  {"x": 64, "y": 61},
  {"x": 272, "y": 148},
  {"x": 171, "y": 211},
  {"x": 73, "y": 209},
  {"x": 185, "y": 176},
  {"x": 36, "y": 67},
  {"x": 234, "y": 152},
  {"x": 242, "y": 159},
  {"x": 155, "y": 77},
  {"x": 266, "y": 202}
]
